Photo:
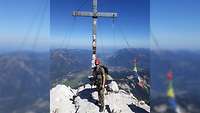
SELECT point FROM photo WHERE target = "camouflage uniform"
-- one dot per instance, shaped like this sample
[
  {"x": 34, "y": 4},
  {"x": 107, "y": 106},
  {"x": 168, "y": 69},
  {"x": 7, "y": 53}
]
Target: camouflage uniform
[{"x": 100, "y": 77}]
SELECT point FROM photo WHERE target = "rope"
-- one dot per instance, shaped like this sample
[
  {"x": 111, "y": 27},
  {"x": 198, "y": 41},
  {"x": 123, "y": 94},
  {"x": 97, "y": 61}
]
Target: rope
[
  {"x": 41, "y": 20},
  {"x": 114, "y": 33},
  {"x": 102, "y": 44},
  {"x": 124, "y": 36},
  {"x": 155, "y": 40},
  {"x": 101, "y": 39},
  {"x": 158, "y": 52},
  {"x": 67, "y": 45},
  {"x": 82, "y": 5},
  {"x": 114, "y": 37},
  {"x": 63, "y": 43},
  {"x": 129, "y": 47},
  {"x": 29, "y": 29}
]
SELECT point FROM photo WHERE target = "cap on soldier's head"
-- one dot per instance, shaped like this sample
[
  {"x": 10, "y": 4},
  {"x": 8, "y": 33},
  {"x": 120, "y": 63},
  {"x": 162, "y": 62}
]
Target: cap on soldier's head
[{"x": 97, "y": 61}]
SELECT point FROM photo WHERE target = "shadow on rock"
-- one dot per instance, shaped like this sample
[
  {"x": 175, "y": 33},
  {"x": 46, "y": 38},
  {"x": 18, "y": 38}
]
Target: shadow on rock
[
  {"x": 87, "y": 94},
  {"x": 136, "y": 109},
  {"x": 108, "y": 109}
]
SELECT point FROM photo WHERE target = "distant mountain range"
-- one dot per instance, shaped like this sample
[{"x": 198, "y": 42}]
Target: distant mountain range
[
  {"x": 184, "y": 65},
  {"x": 77, "y": 59},
  {"x": 25, "y": 76},
  {"x": 125, "y": 57},
  {"x": 64, "y": 62},
  {"x": 24, "y": 82}
]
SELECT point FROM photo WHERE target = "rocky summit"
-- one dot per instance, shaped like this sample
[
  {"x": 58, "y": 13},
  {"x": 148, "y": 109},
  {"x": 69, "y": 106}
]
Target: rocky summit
[{"x": 64, "y": 99}]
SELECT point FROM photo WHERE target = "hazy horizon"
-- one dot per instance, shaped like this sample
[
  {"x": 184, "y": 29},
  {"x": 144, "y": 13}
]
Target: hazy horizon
[{"x": 44, "y": 24}]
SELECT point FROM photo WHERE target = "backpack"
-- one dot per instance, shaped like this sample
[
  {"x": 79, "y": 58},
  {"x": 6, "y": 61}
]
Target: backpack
[
  {"x": 105, "y": 69},
  {"x": 99, "y": 77}
]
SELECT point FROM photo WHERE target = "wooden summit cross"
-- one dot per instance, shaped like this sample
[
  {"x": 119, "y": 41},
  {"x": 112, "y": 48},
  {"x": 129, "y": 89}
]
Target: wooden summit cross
[{"x": 94, "y": 14}]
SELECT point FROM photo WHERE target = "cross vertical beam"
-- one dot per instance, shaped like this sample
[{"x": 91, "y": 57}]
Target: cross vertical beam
[
  {"x": 94, "y": 6},
  {"x": 94, "y": 14},
  {"x": 94, "y": 33},
  {"x": 94, "y": 42}
]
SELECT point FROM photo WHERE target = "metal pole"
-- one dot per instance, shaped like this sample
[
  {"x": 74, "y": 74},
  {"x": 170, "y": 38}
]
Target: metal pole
[
  {"x": 94, "y": 6},
  {"x": 94, "y": 42},
  {"x": 94, "y": 35}
]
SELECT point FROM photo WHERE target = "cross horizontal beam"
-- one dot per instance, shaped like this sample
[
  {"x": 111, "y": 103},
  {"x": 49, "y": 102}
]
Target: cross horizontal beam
[{"x": 91, "y": 14}]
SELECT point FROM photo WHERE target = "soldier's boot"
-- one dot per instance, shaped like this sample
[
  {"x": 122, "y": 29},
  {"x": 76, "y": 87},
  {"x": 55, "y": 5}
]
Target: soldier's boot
[
  {"x": 101, "y": 108},
  {"x": 97, "y": 102}
]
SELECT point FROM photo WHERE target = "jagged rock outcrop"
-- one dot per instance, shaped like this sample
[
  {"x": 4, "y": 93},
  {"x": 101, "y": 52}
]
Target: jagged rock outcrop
[
  {"x": 60, "y": 100},
  {"x": 113, "y": 87},
  {"x": 63, "y": 99}
]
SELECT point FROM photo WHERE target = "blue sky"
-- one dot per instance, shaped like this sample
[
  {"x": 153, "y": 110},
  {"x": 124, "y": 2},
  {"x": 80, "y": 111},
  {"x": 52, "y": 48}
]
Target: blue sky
[
  {"x": 133, "y": 21},
  {"x": 21, "y": 20},
  {"x": 175, "y": 23}
]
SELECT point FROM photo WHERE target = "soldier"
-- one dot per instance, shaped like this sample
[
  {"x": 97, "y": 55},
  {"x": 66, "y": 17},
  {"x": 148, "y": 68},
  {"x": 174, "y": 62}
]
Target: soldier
[{"x": 99, "y": 74}]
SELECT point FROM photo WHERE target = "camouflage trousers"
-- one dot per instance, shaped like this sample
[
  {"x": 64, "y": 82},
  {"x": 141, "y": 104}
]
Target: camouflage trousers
[{"x": 101, "y": 96}]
